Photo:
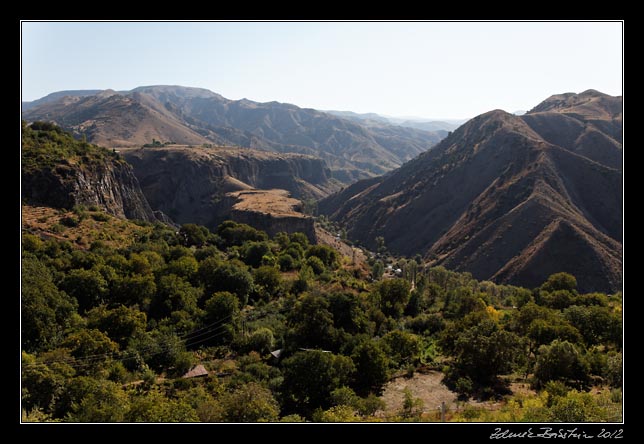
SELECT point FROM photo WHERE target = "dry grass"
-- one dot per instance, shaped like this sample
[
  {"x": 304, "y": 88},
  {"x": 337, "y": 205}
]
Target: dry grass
[
  {"x": 277, "y": 203},
  {"x": 428, "y": 387},
  {"x": 114, "y": 232}
]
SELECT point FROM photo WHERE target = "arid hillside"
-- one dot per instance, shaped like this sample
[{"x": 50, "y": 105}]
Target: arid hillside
[
  {"x": 195, "y": 116},
  {"x": 508, "y": 198}
]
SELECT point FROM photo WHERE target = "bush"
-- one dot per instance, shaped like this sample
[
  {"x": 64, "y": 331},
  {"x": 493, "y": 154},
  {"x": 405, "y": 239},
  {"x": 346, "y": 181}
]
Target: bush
[
  {"x": 286, "y": 262},
  {"x": 250, "y": 403},
  {"x": 261, "y": 340},
  {"x": 561, "y": 361},
  {"x": 70, "y": 221},
  {"x": 254, "y": 252},
  {"x": 316, "y": 264},
  {"x": 31, "y": 243},
  {"x": 326, "y": 254},
  {"x": 268, "y": 282},
  {"x": 193, "y": 234},
  {"x": 100, "y": 217},
  {"x": 560, "y": 281}
]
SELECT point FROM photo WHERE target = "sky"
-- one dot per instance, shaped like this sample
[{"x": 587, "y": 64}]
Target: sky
[{"x": 448, "y": 70}]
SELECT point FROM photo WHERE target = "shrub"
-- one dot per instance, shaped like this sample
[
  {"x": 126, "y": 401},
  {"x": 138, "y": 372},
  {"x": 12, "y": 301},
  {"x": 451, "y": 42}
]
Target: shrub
[{"x": 70, "y": 221}]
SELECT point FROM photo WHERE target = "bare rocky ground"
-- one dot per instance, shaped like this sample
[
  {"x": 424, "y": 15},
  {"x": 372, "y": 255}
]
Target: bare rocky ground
[{"x": 428, "y": 387}]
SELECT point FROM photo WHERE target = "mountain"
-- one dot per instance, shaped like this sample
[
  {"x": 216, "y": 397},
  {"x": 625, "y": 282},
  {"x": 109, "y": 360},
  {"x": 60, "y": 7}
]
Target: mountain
[
  {"x": 194, "y": 116},
  {"x": 58, "y": 95},
  {"x": 373, "y": 119},
  {"x": 112, "y": 119},
  {"x": 61, "y": 172},
  {"x": 507, "y": 198},
  {"x": 360, "y": 117}
]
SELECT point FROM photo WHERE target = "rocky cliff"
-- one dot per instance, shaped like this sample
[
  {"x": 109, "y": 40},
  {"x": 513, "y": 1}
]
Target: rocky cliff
[
  {"x": 61, "y": 172},
  {"x": 189, "y": 184},
  {"x": 272, "y": 211}
]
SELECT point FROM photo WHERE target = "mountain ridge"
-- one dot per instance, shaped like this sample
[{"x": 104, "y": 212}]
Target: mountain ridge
[
  {"x": 196, "y": 116},
  {"x": 481, "y": 198}
]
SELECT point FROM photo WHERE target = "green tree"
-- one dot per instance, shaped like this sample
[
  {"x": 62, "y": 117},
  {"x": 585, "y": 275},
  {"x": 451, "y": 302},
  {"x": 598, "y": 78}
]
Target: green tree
[
  {"x": 344, "y": 396},
  {"x": 296, "y": 251},
  {"x": 412, "y": 408},
  {"x": 311, "y": 322},
  {"x": 576, "y": 407},
  {"x": 88, "y": 287},
  {"x": 326, "y": 254},
  {"x": 338, "y": 413},
  {"x": 286, "y": 262},
  {"x": 614, "y": 370},
  {"x": 316, "y": 264},
  {"x": 185, "y": 267},
  {"x": 135, "y": 290},
  {"x": 372, "y": 368},
  {"x": 348, "y": 312},
  {"x": 560, "y": 281},
  {"x": 174, "y": 294},
  {"x": 596, "y": 324},
  {"x": 254, "y": 252},
  {"x": 250, "y": 403},
  {"x": 192, "y": 234},
  {"x": 561, "y": 361},
  {"x": 282, "y": 240},
  {"x": 162, "y": 351},
  {"x": 139, "y": 264},
  {"x": 543, "y": 332},
  {"x": 46, "y": 312},
  {"x": 232, "y": 233},
  {"x": 222, "y": 309},
  {"x": 228, "y": 276},
  {"x": 98, "y": 401},
  {"x": 299, "y": 238},
  {"x": 394, "y": 296},
  {"x": 91, "y": 348},
  {"x": 268, "y": 282},
  {"x": 43, "y": 384},
  {"x": 32, "y": 243},
  {"x": 153, "y": 406},
  {"x": 304, "y": 276},
  {"x": 380, "y": 245},
  {"x": 461, "y": 301},
  {"x": 120, "y": 323},
  {"x": 484, "y": 351},
  {"x": 310, "y": 377},
  {"x": 402, "y": 347},
  {"x": 377, "y": 270},
  {"x": 262, "y": 340}
]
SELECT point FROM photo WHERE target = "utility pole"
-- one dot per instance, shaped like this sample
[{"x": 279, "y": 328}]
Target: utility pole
[{"x": 443, "y": 409}]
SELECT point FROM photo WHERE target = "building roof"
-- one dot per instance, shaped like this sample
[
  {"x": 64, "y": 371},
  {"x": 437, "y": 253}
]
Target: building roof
[
  {"x": 198, "y": 370},
  {"x": 277, "y": 353}
]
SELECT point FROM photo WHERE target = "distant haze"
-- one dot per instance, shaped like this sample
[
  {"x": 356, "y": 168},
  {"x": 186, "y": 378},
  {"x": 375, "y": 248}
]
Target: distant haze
[{"x": 432, "y": 70}]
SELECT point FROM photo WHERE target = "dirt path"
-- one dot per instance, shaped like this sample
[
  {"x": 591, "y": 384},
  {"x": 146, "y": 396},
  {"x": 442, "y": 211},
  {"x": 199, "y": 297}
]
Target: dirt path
[{"x": 428, "y": 387}]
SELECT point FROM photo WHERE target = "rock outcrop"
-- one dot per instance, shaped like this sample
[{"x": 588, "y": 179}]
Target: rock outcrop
[
  {"x": 110, "y": 185},
  {"x": 272, "y": 211},
  {"x": 190, "y": 184},
  {"x": 61, "y": 172}
]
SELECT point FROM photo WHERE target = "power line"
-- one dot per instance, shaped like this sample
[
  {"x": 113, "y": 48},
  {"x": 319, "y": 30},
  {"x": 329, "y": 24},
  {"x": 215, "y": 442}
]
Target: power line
[
  {"x": 186, "y": 340},
  {"x": 96, "y": 357}
]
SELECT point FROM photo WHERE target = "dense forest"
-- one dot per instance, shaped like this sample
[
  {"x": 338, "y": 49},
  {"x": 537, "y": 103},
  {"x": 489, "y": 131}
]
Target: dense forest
[{"x": 290, "y": 331}]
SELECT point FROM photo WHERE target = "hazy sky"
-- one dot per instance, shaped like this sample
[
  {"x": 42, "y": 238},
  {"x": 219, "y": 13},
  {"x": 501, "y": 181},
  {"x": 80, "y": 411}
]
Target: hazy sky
[{"x": 434, "y": 70}]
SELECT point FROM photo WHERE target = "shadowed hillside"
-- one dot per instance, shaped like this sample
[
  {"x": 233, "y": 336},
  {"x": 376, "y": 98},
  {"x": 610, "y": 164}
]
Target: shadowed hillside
[{"x": 506, "y": 197}]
